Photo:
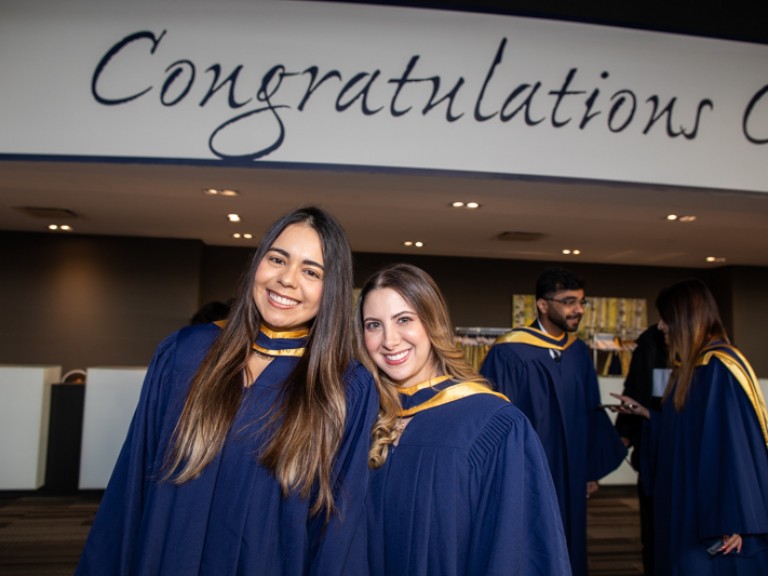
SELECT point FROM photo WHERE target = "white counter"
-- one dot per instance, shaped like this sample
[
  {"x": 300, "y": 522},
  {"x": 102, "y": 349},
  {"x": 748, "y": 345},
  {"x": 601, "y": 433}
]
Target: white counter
[
  {"x": 25, "y": 397},
  {"x": 111, "y": 396}
]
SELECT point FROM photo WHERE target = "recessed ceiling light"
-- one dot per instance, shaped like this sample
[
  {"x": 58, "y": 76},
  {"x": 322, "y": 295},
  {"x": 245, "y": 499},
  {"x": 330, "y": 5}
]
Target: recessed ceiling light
[
  {"x": 60, "y": 227},
  {"x": 237, "y": 235},
  {"x": 684, "y": 218},
  {"x": 718, "y": 259},
  {"x": 417, "y": 244},
  {"x": 570, "y": 251},
  {"x": 220, "y": 192},
  {"x": 468, "y": 205},
  {"x": 233, "y": 217},
  {"x": 407, "y": 243}
]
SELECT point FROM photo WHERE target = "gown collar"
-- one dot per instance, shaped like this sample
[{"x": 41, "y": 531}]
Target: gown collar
[
  {"x": 437, "y": 392},
  {"x": 272, "y": 343}
]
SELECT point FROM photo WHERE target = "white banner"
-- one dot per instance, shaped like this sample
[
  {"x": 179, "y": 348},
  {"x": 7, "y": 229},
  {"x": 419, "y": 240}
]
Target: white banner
[{"x": 246, "y": 82}]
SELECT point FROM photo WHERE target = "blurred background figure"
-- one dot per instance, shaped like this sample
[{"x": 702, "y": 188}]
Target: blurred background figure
[
  {"x": 648, "y": 365},
  {"x": 710, "y": 483},
  {"x": 211, "y": 312},
  {"x": 548, "y": 373}
]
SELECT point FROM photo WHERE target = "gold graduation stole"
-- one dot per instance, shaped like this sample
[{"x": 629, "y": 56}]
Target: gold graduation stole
[
  {"x": 449, "y": 394},
  {"x": 276, "y": 344},
  {"x": 535, "y": 337},
  {"x": 738, "y": 366}
]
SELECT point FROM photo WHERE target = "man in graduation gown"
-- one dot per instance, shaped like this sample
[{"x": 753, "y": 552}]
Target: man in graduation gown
[{"x": 548, "y": 373}]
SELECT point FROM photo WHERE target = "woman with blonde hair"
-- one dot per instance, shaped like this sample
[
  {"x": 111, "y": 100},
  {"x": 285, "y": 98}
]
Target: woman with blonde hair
[
  {"x": 461, "y": 484},
  {"x": 710, "y": 485},
  {"x": 248, "y": 450}
]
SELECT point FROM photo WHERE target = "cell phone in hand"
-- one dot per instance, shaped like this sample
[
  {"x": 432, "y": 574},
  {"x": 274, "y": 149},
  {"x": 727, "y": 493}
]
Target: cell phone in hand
[{"x": 716, "y": 548}]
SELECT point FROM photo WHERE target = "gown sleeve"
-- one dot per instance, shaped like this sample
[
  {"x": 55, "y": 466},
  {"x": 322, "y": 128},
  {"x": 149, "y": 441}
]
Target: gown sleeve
[
  {"x": 732, "y": 473},
  {"x": 517, "y": 527},
  {"x": 341, "y": 546},
  {"x": 116, "y": 529}
]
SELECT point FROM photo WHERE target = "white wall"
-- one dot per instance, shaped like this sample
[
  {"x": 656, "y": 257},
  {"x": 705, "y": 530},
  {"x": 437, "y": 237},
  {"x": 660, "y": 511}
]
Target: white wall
[
  {"x": 24, "y": 415},
  {"x": 111, "y": 396},
  {"x": 522, "y": 96}
]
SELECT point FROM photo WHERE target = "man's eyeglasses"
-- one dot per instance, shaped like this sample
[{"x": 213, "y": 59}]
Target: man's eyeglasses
[{"x": 570, "y": 301}]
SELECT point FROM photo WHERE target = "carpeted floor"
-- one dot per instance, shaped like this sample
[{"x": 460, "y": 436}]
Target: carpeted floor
[
  {"x": 42, "y": 535},
  {"x": 613, "y": 532}
]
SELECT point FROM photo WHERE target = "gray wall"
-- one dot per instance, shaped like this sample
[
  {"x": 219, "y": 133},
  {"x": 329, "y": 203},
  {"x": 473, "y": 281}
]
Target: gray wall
[
  {"x": 93, "y": 301},
  {"x": 80, "y": 301}
]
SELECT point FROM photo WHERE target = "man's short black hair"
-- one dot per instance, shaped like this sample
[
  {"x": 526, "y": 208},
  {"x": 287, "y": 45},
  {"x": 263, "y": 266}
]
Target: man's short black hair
[{"x": 555, "y": 279}]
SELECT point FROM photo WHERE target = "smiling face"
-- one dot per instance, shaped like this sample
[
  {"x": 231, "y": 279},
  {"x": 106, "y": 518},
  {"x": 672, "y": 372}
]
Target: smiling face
[
  {"x": 562, "y": 312},
  {"x": 288, "y": 284},
  {"x": 396, "y": 339}
]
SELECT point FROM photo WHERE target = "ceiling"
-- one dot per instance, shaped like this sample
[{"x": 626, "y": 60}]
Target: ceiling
[{"x": 608, "y": 223}]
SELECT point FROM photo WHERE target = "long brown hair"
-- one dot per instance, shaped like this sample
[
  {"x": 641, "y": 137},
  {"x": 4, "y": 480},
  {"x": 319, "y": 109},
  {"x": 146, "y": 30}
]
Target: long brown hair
[
  {"x": 690, "y": 312},
  {"x": 312, "y": 414},
  {"x": 420, "y": 291}
]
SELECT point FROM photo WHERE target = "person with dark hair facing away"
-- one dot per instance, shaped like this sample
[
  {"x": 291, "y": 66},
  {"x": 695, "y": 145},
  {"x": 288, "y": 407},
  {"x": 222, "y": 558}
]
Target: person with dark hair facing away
[
  {"x": 710, "y": 483},
  {"x": 211, "y": 312},
  {"x": 648, "y": 365},
  {"x": 461, "y": 484},
  {"x": 548, "y": 373},
  {"x": 248, "y": 451}
]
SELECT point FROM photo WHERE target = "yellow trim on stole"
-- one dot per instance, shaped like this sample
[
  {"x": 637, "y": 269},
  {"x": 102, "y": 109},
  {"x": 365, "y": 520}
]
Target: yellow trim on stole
[
  {"x": 411, "y": 390},
  {"x": 285, "y": 352},
  {"x": 746, "y": 377},
  {"x": 450, "y": 394},
  {"x": 303, "y": 333},
  {"x": 272, "y": 334},
  {"x": 534, "y": 337}
]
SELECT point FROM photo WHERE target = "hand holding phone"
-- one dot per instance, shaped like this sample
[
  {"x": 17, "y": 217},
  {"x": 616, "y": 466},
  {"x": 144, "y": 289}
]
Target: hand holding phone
[{"x": 716, "y": 548}]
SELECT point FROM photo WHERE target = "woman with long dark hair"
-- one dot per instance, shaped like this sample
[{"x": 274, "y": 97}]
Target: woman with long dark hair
[
  {"x": 710, "y": 485},
  {"x": 248, "y": 450},
  {"x": 461, "y": 483}
]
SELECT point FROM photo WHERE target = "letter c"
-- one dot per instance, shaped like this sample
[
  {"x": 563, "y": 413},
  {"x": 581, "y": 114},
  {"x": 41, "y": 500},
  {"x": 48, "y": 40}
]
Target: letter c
[
  {"x": 748, "y": 113},
  {"x": 145, "y": 35}
]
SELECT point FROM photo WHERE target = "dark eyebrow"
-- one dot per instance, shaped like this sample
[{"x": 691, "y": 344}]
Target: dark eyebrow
[
  {"x": 394, "y": 316},
  {"x": 288, "y": 256}
]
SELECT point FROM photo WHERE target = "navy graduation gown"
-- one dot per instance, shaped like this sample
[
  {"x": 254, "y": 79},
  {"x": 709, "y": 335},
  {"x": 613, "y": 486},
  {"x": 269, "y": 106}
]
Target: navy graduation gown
[
  {"x": 467, "y": 491},
  {"x": 561, "y": 401},
  {"x": 711, "y": 479},
  {"x": 232, "y": 519}
]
